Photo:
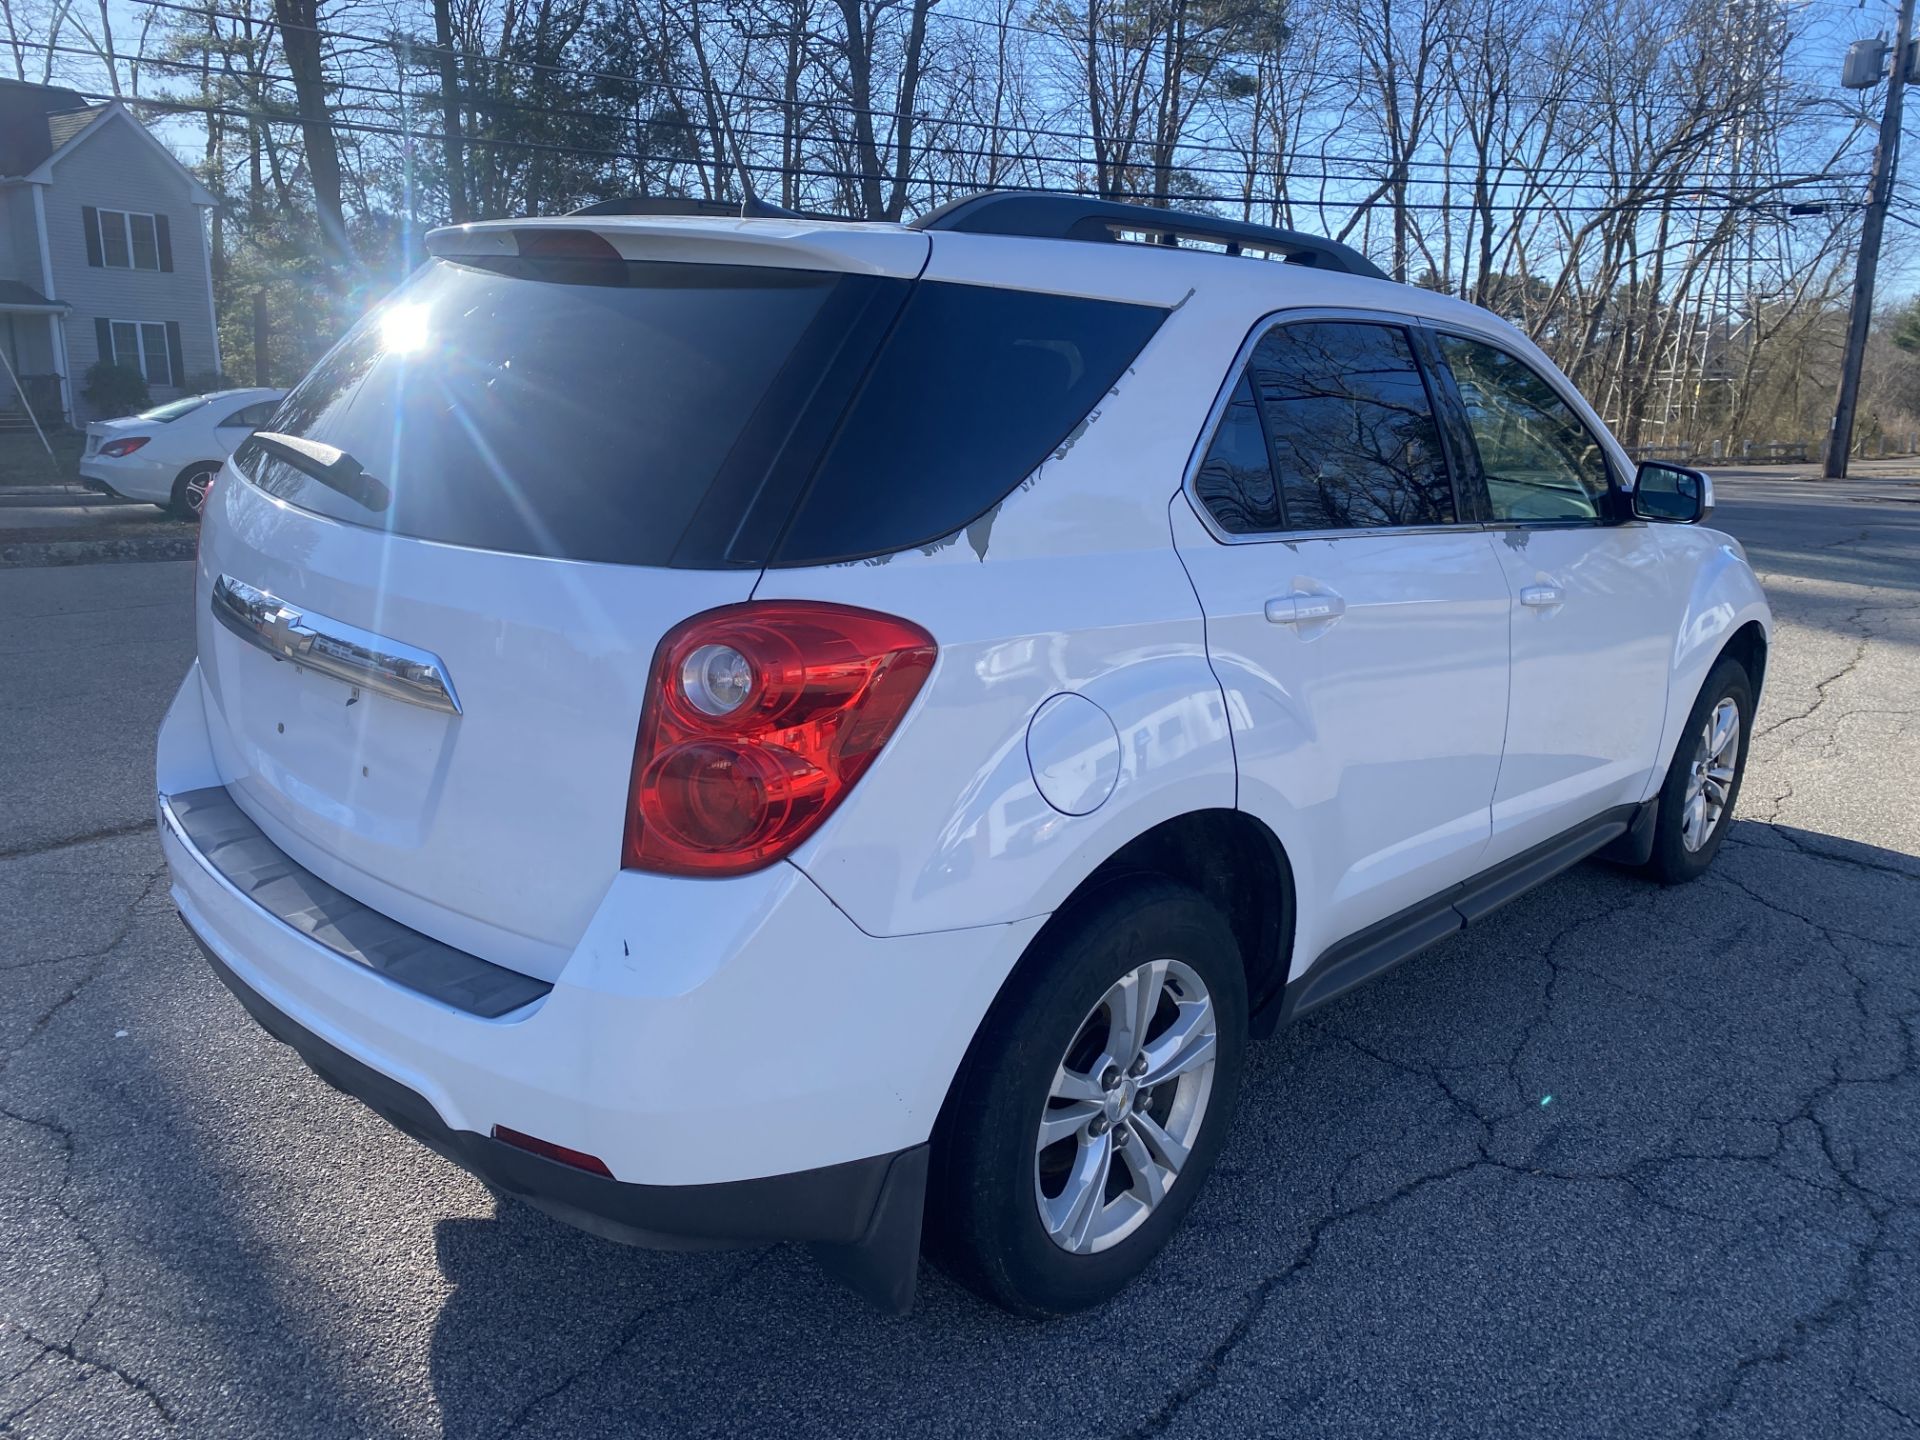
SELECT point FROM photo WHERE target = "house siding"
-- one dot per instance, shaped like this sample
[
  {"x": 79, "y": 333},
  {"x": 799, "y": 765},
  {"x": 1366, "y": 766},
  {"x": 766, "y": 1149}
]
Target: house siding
[
  {"x": 116, "y": 169},
  {"x": 13, "y": 263},
  {"x": 20, "y": 238}
]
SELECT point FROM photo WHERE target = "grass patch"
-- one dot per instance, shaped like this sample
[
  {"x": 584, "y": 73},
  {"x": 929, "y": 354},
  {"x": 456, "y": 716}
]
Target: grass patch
[{"x": 24, "y": 462}]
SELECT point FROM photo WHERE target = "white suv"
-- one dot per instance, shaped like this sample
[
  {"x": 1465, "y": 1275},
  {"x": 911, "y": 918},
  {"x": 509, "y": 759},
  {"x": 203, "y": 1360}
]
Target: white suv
[{"x": 740, "y": 730}]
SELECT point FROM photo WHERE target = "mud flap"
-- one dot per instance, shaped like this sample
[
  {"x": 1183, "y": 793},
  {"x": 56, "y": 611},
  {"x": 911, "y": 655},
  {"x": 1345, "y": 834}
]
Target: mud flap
[
  {"x": 1635, "y": 847},
  {"x": 883, "y": 1266}
]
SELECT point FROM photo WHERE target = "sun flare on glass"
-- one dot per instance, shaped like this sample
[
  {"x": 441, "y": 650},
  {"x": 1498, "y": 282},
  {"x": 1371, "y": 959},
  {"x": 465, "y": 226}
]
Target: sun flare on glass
[{"x": 404, "y": 328}]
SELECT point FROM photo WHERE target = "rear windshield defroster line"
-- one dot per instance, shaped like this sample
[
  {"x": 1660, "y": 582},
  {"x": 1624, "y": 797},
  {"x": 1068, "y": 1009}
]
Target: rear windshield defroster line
[{"x": 701, "y": 416}]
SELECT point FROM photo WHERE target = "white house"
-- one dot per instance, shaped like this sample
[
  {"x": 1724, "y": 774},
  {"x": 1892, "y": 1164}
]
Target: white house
[{"x": 103, "y": 252}]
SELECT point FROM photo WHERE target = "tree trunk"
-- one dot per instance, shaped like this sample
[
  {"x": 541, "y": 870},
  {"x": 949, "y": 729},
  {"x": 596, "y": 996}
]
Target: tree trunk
[
  {"x": 300, "y": 38},
  {"x": 450, "y": 113},
  {"x": 860, "y": 94},
  {"x": 262, "y": 369},
  {"x": 904, "y": 116}
]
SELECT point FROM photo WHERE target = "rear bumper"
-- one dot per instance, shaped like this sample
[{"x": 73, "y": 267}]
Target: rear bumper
[
  {"x": 862, "y": 1218},
  {"x": 129, "y": 479},
  {"x": 747, "y": 1063},
  {"x": 833, "y": 1205}
]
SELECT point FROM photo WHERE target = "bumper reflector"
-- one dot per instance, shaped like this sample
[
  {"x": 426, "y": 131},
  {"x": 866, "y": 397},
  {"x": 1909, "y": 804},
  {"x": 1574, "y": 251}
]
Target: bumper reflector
[{"x": 546, "y": 1149}]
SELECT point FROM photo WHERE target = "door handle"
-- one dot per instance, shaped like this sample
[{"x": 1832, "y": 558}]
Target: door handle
[
  {"x": 1305, "y": 607},
  {"x": 1543, "y": 597}
]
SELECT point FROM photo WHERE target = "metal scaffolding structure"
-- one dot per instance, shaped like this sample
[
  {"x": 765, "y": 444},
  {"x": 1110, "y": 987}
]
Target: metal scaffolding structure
[{"x": 1735, "y": 257}]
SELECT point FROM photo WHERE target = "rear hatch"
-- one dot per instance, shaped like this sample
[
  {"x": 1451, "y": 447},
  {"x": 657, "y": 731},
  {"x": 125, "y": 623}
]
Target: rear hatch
[{"x": 581, "y": 438}]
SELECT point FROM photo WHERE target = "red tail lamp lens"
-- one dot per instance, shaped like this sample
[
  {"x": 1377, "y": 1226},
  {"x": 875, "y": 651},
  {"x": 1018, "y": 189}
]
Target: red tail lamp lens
[
  {"x": 758, "y": 720},
  {"x": 118, "y": 448}
]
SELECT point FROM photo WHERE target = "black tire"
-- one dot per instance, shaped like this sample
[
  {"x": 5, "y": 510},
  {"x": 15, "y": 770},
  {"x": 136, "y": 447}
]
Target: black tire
[
  {"x": 182, "y": 506},
  {"x": 984, "y": 1225},
  {"x": 1672, "y": 861}
]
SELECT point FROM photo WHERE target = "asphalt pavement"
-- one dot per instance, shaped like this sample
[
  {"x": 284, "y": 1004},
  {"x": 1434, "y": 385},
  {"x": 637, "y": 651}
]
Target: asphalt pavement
[{"x": 1619, "y": 1161}]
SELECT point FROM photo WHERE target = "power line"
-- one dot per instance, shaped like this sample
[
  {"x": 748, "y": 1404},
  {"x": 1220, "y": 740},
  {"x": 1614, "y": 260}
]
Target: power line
[
  {"x": 1680, "y": 200},
  {"x": 1372, "y": 170},
  {"x": 427, "y": 47}
]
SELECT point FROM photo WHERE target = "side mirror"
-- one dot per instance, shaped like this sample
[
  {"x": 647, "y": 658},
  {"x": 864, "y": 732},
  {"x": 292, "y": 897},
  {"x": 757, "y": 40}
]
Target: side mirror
[{"x": 1672, "y": 493}]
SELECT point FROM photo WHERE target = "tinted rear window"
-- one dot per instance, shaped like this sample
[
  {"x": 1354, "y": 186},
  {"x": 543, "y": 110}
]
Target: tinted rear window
[
  {"x": 577, "y": 420},
  {"x": 975, "y": 387},
  {"x": 697, "y": 415}
]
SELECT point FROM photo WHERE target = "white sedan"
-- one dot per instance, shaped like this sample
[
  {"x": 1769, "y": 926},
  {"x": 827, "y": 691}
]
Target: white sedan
[{"x": 170, "y": 454}]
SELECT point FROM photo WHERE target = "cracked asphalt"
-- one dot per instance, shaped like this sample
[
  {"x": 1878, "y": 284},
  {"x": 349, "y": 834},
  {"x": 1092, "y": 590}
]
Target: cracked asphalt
[{"x": 1619, "y": 1161}]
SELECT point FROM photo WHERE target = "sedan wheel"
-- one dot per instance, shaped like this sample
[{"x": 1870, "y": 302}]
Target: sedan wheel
[{"x": 190, "y": 492}]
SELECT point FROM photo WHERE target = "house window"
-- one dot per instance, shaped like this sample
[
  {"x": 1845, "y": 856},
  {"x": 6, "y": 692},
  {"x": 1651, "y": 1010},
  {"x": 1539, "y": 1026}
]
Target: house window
[
  {"x": 130, "y": 240},
  {"x": 142, "y": 346}
]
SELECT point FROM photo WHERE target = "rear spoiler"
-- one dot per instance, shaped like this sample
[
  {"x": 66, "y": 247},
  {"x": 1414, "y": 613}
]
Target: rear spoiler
[
  {"x": 701, "y": 237},
  {"x": 751, "y": 208}
]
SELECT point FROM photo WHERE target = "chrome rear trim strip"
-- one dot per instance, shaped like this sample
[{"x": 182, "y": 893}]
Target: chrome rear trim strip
[{"x": 346, "y": 652}]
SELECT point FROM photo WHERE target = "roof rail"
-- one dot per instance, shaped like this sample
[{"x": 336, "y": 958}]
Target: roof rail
[
  {"x": 751, "y": 208},
  {"x": 1049, "y": 216}
]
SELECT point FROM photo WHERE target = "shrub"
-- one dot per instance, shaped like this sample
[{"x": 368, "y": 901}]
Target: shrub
[{"x": 115, "y": 389}]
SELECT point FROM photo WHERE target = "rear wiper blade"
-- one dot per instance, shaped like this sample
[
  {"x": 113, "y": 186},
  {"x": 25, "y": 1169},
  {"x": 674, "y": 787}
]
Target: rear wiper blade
[{"x": 330, "y": 465}]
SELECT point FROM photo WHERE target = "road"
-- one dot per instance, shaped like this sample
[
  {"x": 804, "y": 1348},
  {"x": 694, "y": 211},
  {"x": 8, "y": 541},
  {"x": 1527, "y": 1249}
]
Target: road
[{"x": 1621, "y": 1161}]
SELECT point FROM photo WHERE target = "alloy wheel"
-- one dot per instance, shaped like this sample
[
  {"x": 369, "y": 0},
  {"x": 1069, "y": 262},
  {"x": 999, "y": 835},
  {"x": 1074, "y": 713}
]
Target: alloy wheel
[
  {"x": 195, "y": 490},
  {"x": 1710, "y": 775},
  {"x": 1126, "y": 1106}
]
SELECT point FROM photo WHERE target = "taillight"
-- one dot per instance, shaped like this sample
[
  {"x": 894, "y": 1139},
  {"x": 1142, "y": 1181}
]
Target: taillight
[
  {"x": 758, "y": 720},
  {"x": 117, "y": 448}
]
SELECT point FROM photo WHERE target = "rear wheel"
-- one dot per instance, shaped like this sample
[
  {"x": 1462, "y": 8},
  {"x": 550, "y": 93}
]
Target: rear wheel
[
  {"x": 1702, "y": 784},
  {"x": 190, "y": 491},
  {"x": 1094, "y": 1103}
]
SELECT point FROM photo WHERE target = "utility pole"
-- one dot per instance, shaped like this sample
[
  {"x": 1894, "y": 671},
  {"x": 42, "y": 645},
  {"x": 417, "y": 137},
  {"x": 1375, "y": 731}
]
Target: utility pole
[{"x": 1885, "y": 156}]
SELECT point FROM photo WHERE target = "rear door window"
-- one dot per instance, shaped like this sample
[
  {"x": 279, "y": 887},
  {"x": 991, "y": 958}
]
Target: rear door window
[
  {"x": 1328, "y": 427},
  {"x": 250, "y": 417},
  {"x": 1351, "y": 427}
]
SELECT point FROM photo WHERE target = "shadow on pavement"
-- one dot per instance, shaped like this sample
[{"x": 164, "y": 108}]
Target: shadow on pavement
[{"x": 1619, "y": 1159}]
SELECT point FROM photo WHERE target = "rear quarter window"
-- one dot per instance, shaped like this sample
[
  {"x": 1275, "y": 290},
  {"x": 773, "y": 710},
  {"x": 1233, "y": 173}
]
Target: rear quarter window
[{"x": 972, "y": 390}]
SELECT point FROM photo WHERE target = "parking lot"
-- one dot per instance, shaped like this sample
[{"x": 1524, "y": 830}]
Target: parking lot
[{"x": 1621, "y": 1160}]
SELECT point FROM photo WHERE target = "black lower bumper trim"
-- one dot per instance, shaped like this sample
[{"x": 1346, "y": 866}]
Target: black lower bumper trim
[
  {"x": 862, "y": 1217},
  {"x": 226, "y": 841}
]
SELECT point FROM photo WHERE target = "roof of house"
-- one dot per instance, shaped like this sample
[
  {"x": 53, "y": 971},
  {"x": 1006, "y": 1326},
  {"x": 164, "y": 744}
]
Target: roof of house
[
  {"x": 28, "y": 114},
  {"x": 64, "y": 126},
  {"x": 38, "y": 128},
  {"x": 16, "y": 296}
]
